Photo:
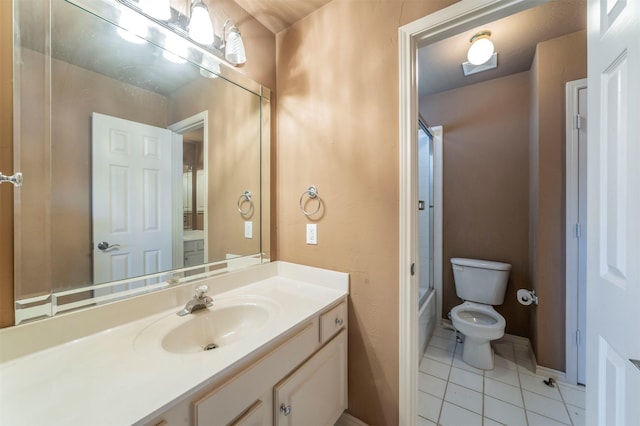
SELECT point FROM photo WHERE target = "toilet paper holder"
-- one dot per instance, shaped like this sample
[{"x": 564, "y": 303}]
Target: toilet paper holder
[{"x": 531, "y": 294}]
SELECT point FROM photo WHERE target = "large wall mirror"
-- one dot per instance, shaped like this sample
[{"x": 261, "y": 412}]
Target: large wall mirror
[{"x": 143, "y": 166}]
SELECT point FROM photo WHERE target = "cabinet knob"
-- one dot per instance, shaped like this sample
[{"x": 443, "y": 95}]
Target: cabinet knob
[
  {"x": 285, "y": 409},
  {"x": 339, "y": 321}
]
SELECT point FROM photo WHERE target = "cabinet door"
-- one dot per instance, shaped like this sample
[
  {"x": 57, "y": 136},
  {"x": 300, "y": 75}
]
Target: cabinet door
[{"x": 316, "y": 393}]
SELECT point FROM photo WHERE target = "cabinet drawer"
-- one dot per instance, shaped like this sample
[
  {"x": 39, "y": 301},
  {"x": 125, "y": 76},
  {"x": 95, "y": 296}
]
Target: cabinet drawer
[
  {"x": 333, "y": 321},
  {"x": 254, "y": 416}
]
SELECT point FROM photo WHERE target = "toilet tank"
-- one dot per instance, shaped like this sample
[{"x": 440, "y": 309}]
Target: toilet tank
[{"x": 480, "y": 281}]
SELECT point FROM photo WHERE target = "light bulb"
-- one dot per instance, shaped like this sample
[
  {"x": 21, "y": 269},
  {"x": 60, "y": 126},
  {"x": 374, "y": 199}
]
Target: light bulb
[
  {"x": 132, "y": 26},
  {"x": 200, "y": 27},
  {"x": 175, "y": 47},
  {"x": 234, "y": 48},
  {"x": 158, "y": 9},
  {"x": 480, "y": 51}
]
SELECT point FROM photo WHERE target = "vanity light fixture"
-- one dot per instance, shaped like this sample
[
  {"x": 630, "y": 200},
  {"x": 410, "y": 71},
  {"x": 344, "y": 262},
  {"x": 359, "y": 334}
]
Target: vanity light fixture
[
  {"x": 233, "y": 46},
  {"x": 175, "y": 49},
  {"x": 481, "y": 48},
  {"x": 158, "y": 9},
  {"x": 197, "y": 26},
  {"x": 200, "y": 27},
  {"x": 132, "y": 27}
]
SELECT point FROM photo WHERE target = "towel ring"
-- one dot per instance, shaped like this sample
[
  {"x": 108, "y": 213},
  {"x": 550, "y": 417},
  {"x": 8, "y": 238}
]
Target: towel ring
[
  {"x": 312, "y": 193},
  {"x": 245, "y": 198}
]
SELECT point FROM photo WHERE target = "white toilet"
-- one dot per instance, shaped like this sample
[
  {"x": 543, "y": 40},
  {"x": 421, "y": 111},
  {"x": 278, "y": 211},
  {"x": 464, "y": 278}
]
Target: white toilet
[{"x": 481, "y": 284}]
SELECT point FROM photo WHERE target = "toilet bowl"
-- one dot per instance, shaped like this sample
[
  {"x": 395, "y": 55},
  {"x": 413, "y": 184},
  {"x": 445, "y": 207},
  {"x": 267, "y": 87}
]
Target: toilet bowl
[
  {"x": 480, "y": 324},
  {"x": 480, "y": 284}
]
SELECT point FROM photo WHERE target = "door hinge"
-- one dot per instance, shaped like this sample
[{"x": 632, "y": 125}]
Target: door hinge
[
  {"x": 578, "y": 230},
  {"x": 578, "y": 122},
  {"x": 578, "y": 338}
]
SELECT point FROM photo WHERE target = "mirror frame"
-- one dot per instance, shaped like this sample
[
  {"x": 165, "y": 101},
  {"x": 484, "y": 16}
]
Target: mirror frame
[{"x": 57, "y": 302}]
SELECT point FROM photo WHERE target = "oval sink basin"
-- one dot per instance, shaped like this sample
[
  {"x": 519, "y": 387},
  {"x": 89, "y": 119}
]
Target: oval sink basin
[{"x": 228, "y": 321}]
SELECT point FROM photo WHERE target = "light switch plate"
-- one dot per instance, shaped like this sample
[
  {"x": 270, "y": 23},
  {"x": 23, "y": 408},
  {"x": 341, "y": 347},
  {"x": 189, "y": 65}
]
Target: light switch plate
[
  {"x": 312, "y": 233},
  {"x": 248, "y": 229}
]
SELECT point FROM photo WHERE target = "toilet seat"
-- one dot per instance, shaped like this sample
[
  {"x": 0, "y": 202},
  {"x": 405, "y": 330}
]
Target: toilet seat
[{"x": 478, "y": 321}]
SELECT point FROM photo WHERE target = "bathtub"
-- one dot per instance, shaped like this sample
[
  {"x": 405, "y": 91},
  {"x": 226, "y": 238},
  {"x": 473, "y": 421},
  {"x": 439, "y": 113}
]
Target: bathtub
[{"x": 426, "y": 319}]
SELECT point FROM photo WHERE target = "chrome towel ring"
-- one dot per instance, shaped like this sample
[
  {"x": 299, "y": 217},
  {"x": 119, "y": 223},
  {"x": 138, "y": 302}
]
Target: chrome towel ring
[
  {"x": 312, "y": 193},
  {"x": 245, "y": 198}
]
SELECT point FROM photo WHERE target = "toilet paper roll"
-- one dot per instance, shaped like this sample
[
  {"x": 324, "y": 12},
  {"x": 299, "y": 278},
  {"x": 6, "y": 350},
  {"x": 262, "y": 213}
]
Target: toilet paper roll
[{"x": 524, "y": 297}]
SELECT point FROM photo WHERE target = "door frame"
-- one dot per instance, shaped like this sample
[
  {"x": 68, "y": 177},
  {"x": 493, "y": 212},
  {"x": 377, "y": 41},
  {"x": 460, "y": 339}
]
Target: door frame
[
  {"x": 181, "y": 127},
  {"x": 458, "y": 17},
  {"x": 572, "y": 203}
]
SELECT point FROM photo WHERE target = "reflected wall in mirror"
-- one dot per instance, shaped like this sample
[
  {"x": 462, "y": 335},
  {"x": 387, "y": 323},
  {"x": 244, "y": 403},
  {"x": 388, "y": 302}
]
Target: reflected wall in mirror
[{"x": 134, "y": 161}]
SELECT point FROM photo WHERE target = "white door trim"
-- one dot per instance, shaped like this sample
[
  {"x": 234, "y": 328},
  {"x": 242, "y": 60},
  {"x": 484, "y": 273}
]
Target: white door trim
[
  {"x": 572, "y": 199},
  {"x": 438, "y": 151},
  {"x": 448, "y": 21}
]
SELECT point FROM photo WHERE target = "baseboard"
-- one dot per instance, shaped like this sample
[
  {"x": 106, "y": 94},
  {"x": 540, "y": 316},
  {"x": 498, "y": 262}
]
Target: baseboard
[{"x": 347, "y": 419}]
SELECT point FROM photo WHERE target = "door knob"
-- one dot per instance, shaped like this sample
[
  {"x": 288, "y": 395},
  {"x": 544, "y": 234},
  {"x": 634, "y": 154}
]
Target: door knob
[{"x": 106, "y": 246}]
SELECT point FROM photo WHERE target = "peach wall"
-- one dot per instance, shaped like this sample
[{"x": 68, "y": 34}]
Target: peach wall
[
  {"x": 337, "y": 117},
  {"x": 486, "y": 183},
  {"x": 557, "y": 61},
  {"x": 233, "y": 158}
]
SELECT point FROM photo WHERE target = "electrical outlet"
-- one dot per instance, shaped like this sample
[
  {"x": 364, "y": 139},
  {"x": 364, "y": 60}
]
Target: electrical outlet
[
  {"x": 312, "y": 233},
  {"x": 248, "y": 229}
]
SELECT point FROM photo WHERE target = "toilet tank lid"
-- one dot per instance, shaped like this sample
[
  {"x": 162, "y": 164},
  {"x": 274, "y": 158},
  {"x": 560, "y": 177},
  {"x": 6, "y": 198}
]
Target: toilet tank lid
[{"x": 477, "y": 263}]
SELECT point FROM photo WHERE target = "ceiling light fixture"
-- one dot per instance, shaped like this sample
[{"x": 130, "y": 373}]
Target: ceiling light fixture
[
  {"x": 233, "y": 46},
  {"x": 200, "y": 26},
  {"x": 481, "y": 48}
]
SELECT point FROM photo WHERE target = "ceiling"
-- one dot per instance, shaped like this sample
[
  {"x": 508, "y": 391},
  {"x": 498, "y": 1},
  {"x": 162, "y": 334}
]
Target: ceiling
[
  {"x": 278, "y": 15},
  {"x": 515, "y": 38}
]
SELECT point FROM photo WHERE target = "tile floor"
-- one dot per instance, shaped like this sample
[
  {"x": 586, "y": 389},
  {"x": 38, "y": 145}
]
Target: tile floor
[{"x": 453, "y": 393}]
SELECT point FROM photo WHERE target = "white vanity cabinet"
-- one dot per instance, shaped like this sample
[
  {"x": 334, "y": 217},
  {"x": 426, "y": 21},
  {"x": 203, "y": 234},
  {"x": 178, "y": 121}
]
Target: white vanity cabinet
[{"x": 300, "y": 381}]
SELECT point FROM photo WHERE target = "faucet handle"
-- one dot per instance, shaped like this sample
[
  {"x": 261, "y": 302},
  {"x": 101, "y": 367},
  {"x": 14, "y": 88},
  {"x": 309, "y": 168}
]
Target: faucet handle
[{"x": 201, "y": 291}]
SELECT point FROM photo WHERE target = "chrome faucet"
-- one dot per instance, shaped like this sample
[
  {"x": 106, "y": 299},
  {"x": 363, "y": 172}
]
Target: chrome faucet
[{"x": 200, "y": 301}]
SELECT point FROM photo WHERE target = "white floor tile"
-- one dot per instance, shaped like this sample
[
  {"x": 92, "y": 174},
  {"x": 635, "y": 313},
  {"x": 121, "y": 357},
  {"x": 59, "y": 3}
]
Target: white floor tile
[
  {"x": 486, "y": 421},
  {"x": 435, "y": 368},
  {"x": 439, "y": 354},
  {"x": 459, "y": 363},
  {"x": 453, "y": 415},
  {"x": 572, "y": 395},
  {"x": 425, "y": 422},
  {"x": 548, "y": 407},
  {"x": 577, "y": 415},
  {"x": 431, "y": 385},
  {"x": 463, "y": 397},
  {"x": 529, "y": 370},
  {"x": 504, "y": 375},
  {"x": 501, "y": 362},
  {"x": 466, "y": 378},
  {"x": 429, "y": 406},
  {"x": 444, "y": 332},
  {"x": 538, "y": 420},
  {"x": 535, "y": 384},
  {"x": 503, "y": 392},
  {"x": 504, "y": 349},
  {"x": 446, "y": 343},
  {"x": 504, "y": 413}
]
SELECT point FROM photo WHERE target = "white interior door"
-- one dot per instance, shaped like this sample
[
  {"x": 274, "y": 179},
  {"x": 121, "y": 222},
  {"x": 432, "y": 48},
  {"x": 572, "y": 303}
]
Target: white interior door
[
  {"x": 132, "y": 209},
  {"x": 613, "y": 207}
]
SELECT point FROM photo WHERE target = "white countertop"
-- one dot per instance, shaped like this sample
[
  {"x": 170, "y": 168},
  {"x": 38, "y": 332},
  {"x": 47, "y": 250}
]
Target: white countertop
[
  {"x": 193, "y": 235},
  {"x": 102, "y": 379}
]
